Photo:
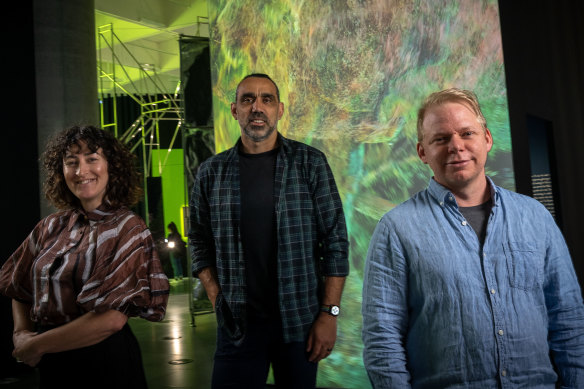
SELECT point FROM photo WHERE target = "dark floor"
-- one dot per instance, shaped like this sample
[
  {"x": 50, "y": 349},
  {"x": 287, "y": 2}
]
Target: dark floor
[{"x": 175, "y": 353}]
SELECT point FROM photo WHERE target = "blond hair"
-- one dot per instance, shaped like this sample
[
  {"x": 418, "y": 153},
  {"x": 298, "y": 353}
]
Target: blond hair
[{"x": 452, "y": 95}]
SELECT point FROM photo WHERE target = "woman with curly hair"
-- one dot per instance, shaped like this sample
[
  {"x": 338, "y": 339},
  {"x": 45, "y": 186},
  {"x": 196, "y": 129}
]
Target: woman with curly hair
[{"x": 85, "y": 269}]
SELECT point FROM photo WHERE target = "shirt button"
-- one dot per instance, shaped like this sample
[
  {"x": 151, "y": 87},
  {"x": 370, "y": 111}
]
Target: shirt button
[
  {"x": 441, "y": 203},
  {"x": 450, "y": 198},
  {"x": 500, "y": 332},
  {"x": 504, "y": 373},
  {"x": 492, "y": 291},
  {"x": 464, "y": 222}
]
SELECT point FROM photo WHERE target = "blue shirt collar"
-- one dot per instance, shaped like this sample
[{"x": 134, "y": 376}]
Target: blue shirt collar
[{"x": 443, "y": 195}]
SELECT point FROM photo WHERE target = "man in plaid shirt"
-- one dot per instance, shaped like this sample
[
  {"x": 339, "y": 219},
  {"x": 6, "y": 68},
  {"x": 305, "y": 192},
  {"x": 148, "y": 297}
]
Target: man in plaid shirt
[{"x": 269, "y": 243}]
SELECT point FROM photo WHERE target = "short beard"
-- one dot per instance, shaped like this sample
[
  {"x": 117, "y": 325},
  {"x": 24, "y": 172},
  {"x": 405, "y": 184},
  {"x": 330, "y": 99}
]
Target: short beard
[{"x": 258, "y": 138}]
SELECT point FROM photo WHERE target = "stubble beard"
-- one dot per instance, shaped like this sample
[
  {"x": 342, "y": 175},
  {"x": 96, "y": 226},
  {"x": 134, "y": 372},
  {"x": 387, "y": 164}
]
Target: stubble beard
[{"x": 258, "y": 137}]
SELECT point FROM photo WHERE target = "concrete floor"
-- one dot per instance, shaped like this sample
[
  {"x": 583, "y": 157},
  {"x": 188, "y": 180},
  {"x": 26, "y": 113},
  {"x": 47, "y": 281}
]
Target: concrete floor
[{"x": 175, "y": 353}]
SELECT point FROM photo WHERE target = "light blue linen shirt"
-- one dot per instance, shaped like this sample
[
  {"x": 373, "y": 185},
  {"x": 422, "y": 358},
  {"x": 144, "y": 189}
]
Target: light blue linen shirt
[{"x": 439, "y": 311}]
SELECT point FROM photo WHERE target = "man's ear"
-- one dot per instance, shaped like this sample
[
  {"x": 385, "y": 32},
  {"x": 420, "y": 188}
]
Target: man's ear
[
  {"x": 489, "y": 138},
  {"x": 234, "y": 110},
  {"x": 280, "y": 110},
  {"x": 421, "y": 152}
]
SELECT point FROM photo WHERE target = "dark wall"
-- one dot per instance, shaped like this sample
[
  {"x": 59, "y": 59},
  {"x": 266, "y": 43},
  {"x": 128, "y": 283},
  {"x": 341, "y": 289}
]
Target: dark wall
[
  {"x": 19, "y": 133},
  {"x": 20, "y": 188},
  {"x": 543, "y": 47}
]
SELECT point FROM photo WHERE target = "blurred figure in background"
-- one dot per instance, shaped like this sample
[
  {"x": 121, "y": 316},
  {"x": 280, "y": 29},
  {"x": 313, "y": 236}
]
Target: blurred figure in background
[{"x": 176, "y": 250}]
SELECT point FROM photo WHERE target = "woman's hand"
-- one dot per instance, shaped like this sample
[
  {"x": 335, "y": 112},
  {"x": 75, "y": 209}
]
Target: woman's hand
[
  {"x": 24, "y": 348},
  {"x": 86, "y": 330}
]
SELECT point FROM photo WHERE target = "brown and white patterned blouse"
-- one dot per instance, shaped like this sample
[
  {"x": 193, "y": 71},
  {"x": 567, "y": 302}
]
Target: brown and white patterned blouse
[{"x": 75, "y": 262}]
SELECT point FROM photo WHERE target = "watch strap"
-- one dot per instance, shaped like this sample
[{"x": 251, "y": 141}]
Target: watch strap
[{"x": 331, "y": 309}]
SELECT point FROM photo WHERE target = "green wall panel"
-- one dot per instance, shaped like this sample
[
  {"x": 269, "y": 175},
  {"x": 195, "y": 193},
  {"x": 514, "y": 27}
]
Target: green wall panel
[{"x": 169, "y": 165}]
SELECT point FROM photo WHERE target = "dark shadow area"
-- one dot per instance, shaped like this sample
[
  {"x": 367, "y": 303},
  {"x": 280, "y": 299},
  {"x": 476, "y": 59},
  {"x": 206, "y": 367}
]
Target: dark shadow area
[{"x": 543, "y": 47}]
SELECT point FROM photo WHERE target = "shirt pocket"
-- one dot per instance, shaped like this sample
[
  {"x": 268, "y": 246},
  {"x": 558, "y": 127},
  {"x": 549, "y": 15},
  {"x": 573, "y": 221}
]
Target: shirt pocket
[{"x": 525, "y": 265}]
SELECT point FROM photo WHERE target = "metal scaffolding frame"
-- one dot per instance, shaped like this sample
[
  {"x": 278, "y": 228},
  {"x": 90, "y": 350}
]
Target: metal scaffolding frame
[{"x": 144, "y": 132}]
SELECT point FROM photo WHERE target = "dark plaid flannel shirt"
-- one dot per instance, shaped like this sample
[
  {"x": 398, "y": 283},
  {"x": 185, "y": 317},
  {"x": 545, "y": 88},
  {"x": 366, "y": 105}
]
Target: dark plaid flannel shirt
[{"x": 312, "y": 235}]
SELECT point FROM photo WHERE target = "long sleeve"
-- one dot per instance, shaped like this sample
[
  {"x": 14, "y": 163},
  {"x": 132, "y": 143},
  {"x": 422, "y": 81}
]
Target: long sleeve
[
  {"x": 15, "y": 275},
  {"x": 330, "y": 217},
  {"x": 201, "y": 243},
  {"x": 385, "y": 311},
  {"x": 565, "y": 312}
]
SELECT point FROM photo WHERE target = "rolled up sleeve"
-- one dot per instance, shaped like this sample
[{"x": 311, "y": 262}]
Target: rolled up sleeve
[
  {"x": 332, "y": 229},
  {"x": 201, "y": 243}
]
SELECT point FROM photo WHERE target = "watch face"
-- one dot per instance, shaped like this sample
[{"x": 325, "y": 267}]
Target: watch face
[{"x": 335, "y": 310}]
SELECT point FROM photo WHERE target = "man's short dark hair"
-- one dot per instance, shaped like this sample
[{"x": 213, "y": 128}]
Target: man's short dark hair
[{"x": 257, "y": 75}]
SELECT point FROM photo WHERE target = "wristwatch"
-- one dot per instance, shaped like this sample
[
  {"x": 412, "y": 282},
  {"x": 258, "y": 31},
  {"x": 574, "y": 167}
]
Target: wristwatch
[{"x": 332, "y": 310}]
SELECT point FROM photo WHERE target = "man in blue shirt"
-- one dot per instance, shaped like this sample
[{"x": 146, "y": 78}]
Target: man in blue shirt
[
  {"x": 269, "y": 243},
  {"x": 469, "y": 285}
]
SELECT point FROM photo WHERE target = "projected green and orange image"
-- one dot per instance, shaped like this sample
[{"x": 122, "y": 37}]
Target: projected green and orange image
[{"x": 352, "y": 75}]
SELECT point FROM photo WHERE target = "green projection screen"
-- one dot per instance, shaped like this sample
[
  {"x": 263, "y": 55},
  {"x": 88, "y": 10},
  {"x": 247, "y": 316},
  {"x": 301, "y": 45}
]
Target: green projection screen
[
  {"x": 169, "y": 165},
  {"x": 352, "y": 75}
]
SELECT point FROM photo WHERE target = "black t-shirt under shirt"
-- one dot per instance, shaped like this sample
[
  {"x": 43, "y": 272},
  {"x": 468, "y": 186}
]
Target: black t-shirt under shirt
[{"x": 258, "y": 230}]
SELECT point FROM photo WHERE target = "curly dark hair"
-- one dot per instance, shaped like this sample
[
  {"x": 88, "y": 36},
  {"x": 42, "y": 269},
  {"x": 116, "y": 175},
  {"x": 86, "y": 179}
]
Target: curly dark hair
[{"x": 124, "y": 181}]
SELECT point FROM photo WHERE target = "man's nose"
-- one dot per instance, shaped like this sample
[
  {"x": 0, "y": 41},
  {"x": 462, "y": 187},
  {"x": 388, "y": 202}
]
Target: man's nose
[
  {"x": 456, "y": 144},
  {"x": 257, "y": 106}
]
